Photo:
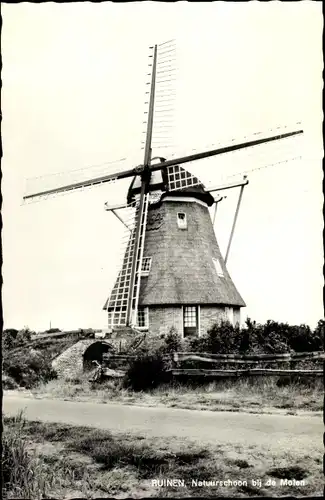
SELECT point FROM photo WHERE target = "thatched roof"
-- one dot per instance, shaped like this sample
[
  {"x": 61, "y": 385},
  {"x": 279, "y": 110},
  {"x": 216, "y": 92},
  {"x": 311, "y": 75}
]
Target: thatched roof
[{"x": 182, "y": 270}]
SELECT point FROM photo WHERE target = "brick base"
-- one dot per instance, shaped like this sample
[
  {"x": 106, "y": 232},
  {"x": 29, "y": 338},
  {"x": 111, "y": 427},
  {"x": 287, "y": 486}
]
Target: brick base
[{"x": 162, "y": 319}]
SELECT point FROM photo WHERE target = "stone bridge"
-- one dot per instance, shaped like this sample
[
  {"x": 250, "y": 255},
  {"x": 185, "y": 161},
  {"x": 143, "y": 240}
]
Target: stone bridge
[{"x": 78, "y": 358}]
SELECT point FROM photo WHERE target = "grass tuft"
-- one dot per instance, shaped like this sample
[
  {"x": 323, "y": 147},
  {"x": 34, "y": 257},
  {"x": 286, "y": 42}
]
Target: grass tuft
[
  {"x": 294, "y": 472},
  {"x": 23, "y": 475},
  {"x": 242, "y": 464}
]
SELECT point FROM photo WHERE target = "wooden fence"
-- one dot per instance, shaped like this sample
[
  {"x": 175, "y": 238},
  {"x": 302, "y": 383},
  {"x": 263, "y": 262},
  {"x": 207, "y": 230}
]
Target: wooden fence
[
  {"x": 250, "y": 364},
  {"x": 244, "y": 358}
]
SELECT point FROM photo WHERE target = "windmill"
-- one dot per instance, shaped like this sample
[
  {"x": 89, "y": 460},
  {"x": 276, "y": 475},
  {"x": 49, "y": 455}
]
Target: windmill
[{"x": 172, "y": 273}]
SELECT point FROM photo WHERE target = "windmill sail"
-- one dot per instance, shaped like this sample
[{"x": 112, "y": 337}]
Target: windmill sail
[
  {"x": 63, "y": 182},
  {"x": 163, "y": 126},
  {"x": 236, "y": 159},
  {"x": 118, "y": 304}
]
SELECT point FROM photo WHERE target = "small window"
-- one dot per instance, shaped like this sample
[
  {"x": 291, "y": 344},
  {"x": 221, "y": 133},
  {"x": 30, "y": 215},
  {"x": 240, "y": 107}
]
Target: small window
[
  {"x": 218, "y": 267},
  {"x": 142, "y": 317},
  {"x": 181, "y": 220},
  {"x": 190, "y": 321},
  {"x": 145, "y": 266}
]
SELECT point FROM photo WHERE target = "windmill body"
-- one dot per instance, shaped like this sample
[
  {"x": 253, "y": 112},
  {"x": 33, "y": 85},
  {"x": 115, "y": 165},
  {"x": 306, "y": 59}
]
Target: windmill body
[
  {"x": 184, "y": 280},
  {"x": 172, "y": 272}
]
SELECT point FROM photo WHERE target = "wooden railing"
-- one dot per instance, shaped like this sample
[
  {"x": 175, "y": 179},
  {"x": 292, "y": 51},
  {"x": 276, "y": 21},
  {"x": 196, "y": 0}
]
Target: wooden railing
[
  {"x": 246, "y": 361},
  {"x": 250, "y": 364},
  {"x": 244, "y": 358},
  {"x": 236, "y": 373}
]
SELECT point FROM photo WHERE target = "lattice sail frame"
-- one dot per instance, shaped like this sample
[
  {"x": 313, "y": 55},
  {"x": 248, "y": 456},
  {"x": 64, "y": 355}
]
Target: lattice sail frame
[
  {"x": 179, "y": 178},
  {"x": 118, "y": 302},
  {"x": 163, "y": 126}
]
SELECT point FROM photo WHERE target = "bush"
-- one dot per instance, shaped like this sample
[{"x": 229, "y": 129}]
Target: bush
[
  {"x": 221, "y": 338},
  {"x": 146, "y": 371},
  {"x": 28, "y": 368},
  {"x": 9, "y": 338},
  {"x": 302, "y": 339},
  {"x": 268, "y": 338},
  {"x": 172, "y": 342},
  {"x": 274, "y": 337},
  {"x": 255, "y": 338},
  {"x": 12, "y": 338},
  {"x": 8, "y": 383}
]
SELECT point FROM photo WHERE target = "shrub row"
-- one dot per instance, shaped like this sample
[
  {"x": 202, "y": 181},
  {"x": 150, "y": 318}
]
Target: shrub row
[
  {"x": 149, "y": 369},
  {"x": 271, "y": 337}
]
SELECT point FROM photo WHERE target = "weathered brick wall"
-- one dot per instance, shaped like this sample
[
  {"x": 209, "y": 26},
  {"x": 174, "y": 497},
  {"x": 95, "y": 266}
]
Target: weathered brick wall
[
  {"x": 209, "y": 315},
  {"x": 236, "y": 315},
  {"x": 162, "y": 319}
]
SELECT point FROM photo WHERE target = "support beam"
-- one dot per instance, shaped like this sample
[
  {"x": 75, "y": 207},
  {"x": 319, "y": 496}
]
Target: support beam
[
  {"x": 234, "y": 223},
  {"x": 229, "y": 186},
  {"x": 108, "y": 208},
  {"x": 121, "y": 220}
]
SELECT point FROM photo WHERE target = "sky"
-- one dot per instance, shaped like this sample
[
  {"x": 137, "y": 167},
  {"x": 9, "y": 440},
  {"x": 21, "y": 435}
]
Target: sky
[{"x": 74, "y": 82}]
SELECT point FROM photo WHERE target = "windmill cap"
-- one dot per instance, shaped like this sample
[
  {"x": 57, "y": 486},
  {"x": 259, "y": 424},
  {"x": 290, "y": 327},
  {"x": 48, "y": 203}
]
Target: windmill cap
[{"x": 164, "y": 180}]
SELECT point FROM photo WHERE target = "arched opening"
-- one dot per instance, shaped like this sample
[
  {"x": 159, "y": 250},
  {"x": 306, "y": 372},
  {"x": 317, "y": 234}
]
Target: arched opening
[{"x": 95, "y": 353}]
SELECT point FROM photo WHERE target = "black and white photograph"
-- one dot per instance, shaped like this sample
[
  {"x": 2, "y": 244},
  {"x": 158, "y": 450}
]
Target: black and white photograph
[{"x": 162, "y": 219}]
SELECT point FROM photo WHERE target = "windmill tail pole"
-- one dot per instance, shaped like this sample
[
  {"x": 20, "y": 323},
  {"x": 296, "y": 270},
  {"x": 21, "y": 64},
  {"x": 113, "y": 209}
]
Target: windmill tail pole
[{"x": 235, "y": 220}]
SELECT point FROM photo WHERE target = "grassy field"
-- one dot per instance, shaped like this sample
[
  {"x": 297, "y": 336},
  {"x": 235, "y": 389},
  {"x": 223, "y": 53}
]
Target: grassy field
[
  {"x": 261, "y": 396},
  {"x": 60, "y": 461}
]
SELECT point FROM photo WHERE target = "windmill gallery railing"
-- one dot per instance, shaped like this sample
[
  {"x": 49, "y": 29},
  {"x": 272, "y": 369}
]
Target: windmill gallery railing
[{"x": 202, "y": 364}]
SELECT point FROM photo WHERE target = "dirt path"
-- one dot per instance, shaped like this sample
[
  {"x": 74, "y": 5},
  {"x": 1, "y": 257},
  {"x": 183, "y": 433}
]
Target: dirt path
[{"x": 302, "y": 433}]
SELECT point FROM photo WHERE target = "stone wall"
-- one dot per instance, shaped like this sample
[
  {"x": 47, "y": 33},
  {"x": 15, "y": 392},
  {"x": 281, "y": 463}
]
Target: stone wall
[{"x": 69, "y": 363}]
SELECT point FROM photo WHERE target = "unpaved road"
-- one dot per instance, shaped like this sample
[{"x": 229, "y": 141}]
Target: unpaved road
[{"x": 274, "y": 432}]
